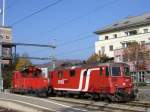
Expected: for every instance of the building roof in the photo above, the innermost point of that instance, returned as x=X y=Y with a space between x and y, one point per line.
x=132 y=21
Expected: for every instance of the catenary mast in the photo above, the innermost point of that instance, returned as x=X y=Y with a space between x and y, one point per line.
x=3 y=24
x=3 y=14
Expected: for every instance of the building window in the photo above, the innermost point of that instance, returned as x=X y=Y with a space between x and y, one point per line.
x=142 y=42
x=106 y=37
x=133 y=32
x=111 y=47
x=6 y=52
x=103 y=49
x=115 y=35
x=118 y=58
x=145 y=30
x=126 y=33
x=124 y=45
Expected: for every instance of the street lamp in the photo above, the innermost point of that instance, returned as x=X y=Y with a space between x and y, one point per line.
x=1 y=79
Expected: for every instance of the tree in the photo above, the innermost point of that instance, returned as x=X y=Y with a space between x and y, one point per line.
x=7 y=75
x=100 y=57
x=138 y=54
x=17 y=64
x=22 y=62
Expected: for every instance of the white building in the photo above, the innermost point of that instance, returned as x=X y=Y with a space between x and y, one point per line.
x=116 y=36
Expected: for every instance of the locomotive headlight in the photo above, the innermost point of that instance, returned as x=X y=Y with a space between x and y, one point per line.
x=123 y=83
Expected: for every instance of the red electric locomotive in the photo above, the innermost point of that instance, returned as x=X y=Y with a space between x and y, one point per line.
x=29 y=80
x=110 y=81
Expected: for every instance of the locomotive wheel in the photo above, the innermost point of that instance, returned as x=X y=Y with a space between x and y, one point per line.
x=41 y=94
x=94 y=97
x=77 y=96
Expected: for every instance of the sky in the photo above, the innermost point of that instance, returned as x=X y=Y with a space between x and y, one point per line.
x=69 y=24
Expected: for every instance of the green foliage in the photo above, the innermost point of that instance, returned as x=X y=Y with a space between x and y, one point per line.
x=7 y=70
x=102 y=58
x=22 y=62
x=7 y=76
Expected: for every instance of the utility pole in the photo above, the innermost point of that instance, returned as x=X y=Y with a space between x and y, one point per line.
x=3 y=14
x=1 y=79
x=53 y=55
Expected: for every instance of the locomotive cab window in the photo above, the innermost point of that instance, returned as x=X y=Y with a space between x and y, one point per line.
x=85 y=73
x=60 y=74
x=126 y=71
x=107 y=71
x=115 y=71
x=72 y=73
x=101 y=71
x=36 y=73
x=25 y=72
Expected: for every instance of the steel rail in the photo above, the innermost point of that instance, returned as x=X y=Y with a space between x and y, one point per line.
x=105 y=106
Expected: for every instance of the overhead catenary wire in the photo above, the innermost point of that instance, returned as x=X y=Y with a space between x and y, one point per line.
x=79 y=17
x=74 y=19
x=75 y=51
x=75 y=40
x=37 y=58
x=82 y=38
x=61 y=54
x=65 y=43
x=36 y=12
x=84 y=15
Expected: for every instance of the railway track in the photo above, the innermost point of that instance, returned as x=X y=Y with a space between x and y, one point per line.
x=139 y=104
x=2 y=109
x=93 y=106
x=135 y=106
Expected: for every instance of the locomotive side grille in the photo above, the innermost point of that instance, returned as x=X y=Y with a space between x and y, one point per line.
x=114 y=80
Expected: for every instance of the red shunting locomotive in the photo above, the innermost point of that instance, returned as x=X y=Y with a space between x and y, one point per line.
x=29 y=80
x=110 y=81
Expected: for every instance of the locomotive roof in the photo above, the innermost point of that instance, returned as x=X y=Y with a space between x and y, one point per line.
x=90 y=65
x=28 y=67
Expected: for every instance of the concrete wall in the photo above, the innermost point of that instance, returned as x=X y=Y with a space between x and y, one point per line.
x=6 y=35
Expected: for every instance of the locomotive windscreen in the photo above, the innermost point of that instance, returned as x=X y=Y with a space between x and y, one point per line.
x=31 y=72
x=115 y=71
